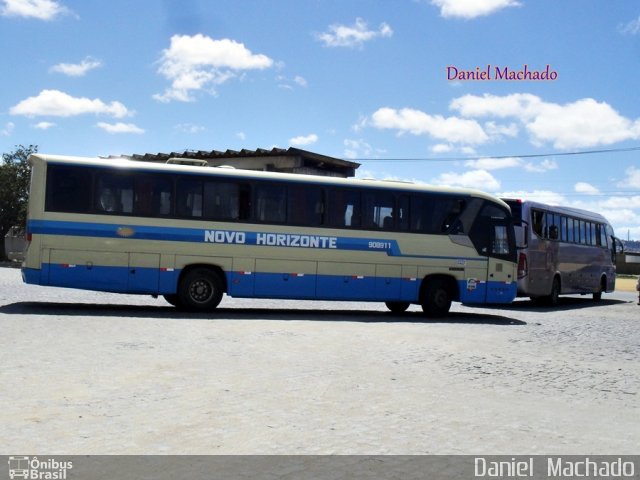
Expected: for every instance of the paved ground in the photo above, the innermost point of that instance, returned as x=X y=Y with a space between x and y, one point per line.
x=93 y=373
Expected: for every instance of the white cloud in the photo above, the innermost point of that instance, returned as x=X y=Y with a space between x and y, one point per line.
x=632 y=179
x=304 y=140
x=59 y=104
x=543 y=166
x=543 y=196
x=76 y=69
x=241 y=135
x=631 y=28
x=494 y=163
x=480 y=179
x=194 y=63
x=357 y=149
x=39 y=9
x=416 y=122
x=496 y=130
x=471 y=8
x=586 y=188
x=442 y=148
x=301 y=81
x=189 y=128
x=120 y=127
x=8 y=129
x=44 y=125
x=583 y=123
x=353 y=36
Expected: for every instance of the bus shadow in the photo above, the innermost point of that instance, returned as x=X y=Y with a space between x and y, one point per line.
x=564 y=303
x=288 y=314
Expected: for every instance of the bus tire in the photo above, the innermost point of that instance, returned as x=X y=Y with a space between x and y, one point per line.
x=200 y=290
x=397 y=307
x=552 y=298
x=436 y=299
x=172 y=299
x=597 y=295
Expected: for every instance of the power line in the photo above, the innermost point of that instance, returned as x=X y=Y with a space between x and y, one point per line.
x=498 y=157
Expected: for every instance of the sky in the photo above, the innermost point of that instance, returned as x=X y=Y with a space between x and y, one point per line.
x=507 y=96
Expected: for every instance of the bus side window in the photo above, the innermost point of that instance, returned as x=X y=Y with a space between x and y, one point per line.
x=537 y=220
x=152 y=195
x=377 y=210
x=403 y=213
x=603 y=236
x=306 y=206
x=189 y=197
x=221 y=200
x=570 y=230
x=68 y=189
x=270 y=203
x=114 y=194
x=344 y=208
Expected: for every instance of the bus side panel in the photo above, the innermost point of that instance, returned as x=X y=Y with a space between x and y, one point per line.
x=409 y=284
x=388 y=282
x=297 y=281
x=241 y=277
x=103 y=271
x=346 y=281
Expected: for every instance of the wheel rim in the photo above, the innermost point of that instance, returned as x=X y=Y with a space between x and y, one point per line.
x=440 y=298
x=201 y=291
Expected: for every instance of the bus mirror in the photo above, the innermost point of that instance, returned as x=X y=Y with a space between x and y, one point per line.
x=553 y=232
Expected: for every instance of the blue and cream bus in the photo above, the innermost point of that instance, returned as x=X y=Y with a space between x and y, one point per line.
x=194 y=233
x=563 y=250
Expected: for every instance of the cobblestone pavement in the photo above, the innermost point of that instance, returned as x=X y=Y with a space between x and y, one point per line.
x=95 y=373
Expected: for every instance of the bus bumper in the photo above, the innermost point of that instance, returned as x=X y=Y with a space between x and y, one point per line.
x=31 y=275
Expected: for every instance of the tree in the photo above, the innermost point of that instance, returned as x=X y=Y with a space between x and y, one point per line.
x=14 y=190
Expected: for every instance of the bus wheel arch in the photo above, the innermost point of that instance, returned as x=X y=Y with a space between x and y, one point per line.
x=200 y=287
x=436 y=294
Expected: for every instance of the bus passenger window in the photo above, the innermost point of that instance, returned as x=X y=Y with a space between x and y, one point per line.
x=603 y=236
x=189 y=198
x=344 y=208
x=403 y=213
x=221 y=201
x=68 y=189
x=377 y=210
x=114 y=194
x=570 y=230
x=537 y=220
x=152 y=196
x=270 y=203
x=306 y=205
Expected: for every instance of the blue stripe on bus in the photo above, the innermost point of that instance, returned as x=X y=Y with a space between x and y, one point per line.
x=153 y=281
x=228 y=237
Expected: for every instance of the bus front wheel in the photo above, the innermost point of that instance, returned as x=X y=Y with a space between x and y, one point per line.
x=200 y=290
x=436 y=300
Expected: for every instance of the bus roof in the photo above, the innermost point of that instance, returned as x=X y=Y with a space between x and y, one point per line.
x=570 y=211
x=124 y=163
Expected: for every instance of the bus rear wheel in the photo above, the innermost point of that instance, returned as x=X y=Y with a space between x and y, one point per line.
x=200 y=290
x=436 y=299
x=397 y=307
x=552 y=299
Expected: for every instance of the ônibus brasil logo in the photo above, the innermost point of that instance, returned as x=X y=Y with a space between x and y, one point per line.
x=34 y=469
